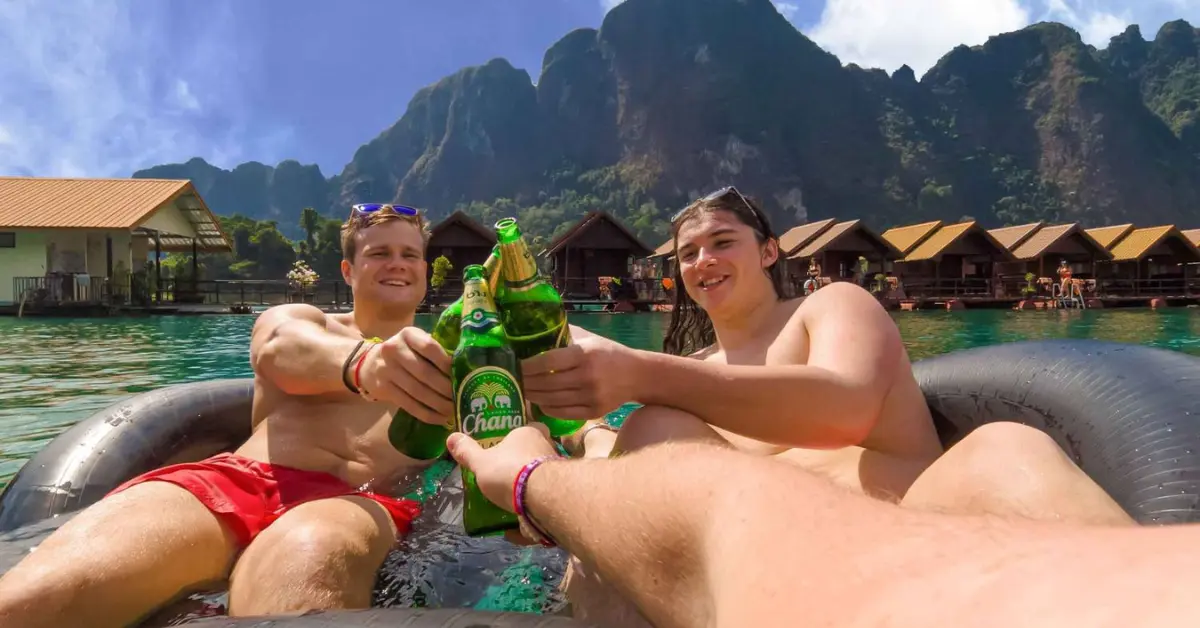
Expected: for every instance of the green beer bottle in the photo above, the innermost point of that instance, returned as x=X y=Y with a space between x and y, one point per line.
x=488 y=402
x=532 y=312
x=410 y=435
x=449 y=324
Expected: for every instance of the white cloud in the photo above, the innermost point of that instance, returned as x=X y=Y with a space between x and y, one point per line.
x=889 y=33
x=608 y=5
x=1095 y=24
x=788 y=10
x=100 y=88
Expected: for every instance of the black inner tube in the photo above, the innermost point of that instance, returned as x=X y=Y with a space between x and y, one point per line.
x=1124 y=413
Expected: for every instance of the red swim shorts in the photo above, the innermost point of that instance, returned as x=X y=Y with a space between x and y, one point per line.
x=249 y=495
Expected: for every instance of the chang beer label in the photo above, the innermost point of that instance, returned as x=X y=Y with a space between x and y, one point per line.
x=478 y=312
x=489 y=405
x=520 y=269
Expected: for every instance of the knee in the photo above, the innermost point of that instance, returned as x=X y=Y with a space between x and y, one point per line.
x=1007 y=445
x=651 y=425
x=1002 y=458
x=26 y=594
x=314 y=549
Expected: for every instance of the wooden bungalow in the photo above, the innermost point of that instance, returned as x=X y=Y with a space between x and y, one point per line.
x=1107 y=236
x=907 y=237
x=838 y=247
x=1012 y=237
x=462 y=240
x=1038 y=249
x=1149 y=261
x=796 y=237
x=596 y=246
x=949 y=261
x=1193 y=235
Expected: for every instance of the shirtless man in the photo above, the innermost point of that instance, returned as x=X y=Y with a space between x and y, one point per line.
x=291 y=519
x=822 y=382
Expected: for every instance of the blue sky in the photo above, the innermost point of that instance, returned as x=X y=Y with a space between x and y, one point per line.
x=104 y=87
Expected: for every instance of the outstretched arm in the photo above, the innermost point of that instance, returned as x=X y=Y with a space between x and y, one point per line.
x=696 y=535
x=854 y=352
x=293 y=348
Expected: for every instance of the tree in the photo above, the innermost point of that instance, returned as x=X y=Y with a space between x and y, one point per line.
x=310 y=221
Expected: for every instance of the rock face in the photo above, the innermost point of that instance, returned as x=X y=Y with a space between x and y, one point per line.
x=667 y=101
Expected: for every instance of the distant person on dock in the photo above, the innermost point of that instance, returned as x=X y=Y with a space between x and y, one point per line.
x=291 y=519
x=1064 y=279
x=814 y=277
x=699 y=534
x=822 y=382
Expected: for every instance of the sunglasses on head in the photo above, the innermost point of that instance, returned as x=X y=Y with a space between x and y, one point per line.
x=731 y=191
x=366 y=209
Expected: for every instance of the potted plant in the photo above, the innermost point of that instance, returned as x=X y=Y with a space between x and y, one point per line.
x=880 y=279
x=441 y=268
x=1028 y=290
x=302 y=278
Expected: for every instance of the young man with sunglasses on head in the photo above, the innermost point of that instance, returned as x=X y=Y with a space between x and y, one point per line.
x=292 y=518
x=822 y=382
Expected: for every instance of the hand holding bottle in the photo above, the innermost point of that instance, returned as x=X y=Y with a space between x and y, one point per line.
x=588 y=379
x=412 y=371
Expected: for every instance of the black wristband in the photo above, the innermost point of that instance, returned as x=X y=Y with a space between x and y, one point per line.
x=346 y=367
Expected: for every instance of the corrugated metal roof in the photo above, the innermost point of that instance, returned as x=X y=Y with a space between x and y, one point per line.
x=462 y=218
x=666 y=248
x=797 y=237
x=942 y=238
x=32 y=203
x=1106 y=236
x=1135 y=245
x=815 y=245
x=1032 y=248
x=588 y=220
x=1193 y=236
x=1011 y=237
x=905 y=238
x=46 y=203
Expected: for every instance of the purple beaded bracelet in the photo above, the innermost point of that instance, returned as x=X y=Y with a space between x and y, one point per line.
x=528 y=526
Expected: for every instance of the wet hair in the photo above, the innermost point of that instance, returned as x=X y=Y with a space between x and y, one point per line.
x=385 y=214
x=690 y=329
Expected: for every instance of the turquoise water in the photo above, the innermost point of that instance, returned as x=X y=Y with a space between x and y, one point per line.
x=54 y=372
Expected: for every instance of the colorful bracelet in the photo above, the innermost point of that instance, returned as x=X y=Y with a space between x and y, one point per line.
x=358 y=372
x=528 y=526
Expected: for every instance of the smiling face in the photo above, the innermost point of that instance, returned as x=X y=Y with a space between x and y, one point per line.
x=722 y=261
x=386 y=265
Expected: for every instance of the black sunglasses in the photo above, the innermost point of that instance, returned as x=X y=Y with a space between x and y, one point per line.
x=726 y=191
x=366 y=209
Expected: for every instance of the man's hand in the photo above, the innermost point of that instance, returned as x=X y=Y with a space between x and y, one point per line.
x=590 y=378
x=410 y=370
x=496 y=468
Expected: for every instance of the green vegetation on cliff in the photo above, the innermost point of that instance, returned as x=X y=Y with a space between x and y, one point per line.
x=664 y=102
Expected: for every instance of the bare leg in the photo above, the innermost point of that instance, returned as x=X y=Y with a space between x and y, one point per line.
x=592 y=599
x=118 y=561
x=1011 y=470
x=596 y=443
x=320 y=555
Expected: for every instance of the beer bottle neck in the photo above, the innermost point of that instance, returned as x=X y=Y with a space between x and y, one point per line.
x=491 y=271
x=519 y=267
x=479 y=315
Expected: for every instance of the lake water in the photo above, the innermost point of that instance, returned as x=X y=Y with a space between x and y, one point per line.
x=54 y=372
